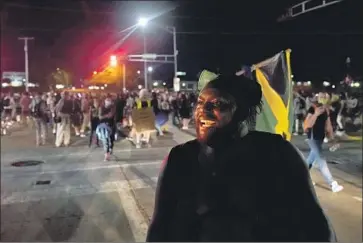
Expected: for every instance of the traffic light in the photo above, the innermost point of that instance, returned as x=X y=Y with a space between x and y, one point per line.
x=113 y=61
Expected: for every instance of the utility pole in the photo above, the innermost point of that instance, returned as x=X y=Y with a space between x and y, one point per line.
x=25 y=39
x=145 y=62
x=175 y=50
x=124 y=76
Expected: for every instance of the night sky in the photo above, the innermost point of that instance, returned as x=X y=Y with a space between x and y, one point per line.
x=221 y=36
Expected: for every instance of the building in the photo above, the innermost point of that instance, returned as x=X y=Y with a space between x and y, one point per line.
x=190 y=86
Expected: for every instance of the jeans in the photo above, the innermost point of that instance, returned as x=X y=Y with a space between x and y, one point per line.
x=107 y=144
x=315 y=155
x=175 y=118
x=158 y=128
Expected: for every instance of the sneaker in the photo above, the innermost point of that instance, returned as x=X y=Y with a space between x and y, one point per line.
x=313 y=183
x=184 y=128
x=83 y=135
x=138 y=146
x=335 y=187
x=295 y=133
x=326 y=140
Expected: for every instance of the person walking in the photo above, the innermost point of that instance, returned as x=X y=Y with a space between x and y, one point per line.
x=63 y=111
x=317 y=125
x=85 y=109
x=39 y=112
x=25 y=102
x=95 y=120
x=107 y=115
x=185 y=111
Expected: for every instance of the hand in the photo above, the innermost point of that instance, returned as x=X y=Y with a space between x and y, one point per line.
x=319 y=110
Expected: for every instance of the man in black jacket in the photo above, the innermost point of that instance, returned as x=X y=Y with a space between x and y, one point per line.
x=229 y=185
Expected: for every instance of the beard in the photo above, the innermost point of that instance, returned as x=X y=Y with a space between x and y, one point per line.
x=219 y=136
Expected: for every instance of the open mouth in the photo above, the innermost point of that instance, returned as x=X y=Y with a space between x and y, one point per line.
x=207 y=123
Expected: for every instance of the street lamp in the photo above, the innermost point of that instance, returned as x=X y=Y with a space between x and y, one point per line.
x=326 y=84
x=138 y=71
x=150 y=69
x=113 y=61
x=142 y=22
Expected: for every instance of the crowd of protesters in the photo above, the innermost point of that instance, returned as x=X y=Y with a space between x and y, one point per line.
x=101 y=116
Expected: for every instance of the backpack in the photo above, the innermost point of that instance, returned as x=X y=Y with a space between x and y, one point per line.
x=6 y=102
x=36 y=112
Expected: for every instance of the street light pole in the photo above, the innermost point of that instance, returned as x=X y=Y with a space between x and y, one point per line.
x=145 y=62
x=175 y=52
x=124 y=76
x=25 y=39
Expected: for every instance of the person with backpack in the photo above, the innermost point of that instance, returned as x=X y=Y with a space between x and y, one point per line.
x=39 y=113
x=63 y=111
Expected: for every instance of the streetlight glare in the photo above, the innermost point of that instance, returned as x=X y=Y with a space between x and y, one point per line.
x=138 y=71
x=150 y=69
x=142 y=21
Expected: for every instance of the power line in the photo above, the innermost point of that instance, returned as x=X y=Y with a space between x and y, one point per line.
x=15 y=5
x=192 y=32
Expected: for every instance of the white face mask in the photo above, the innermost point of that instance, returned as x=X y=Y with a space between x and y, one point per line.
x=108 y=103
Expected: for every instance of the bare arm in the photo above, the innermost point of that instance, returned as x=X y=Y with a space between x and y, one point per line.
x=310 y=120
x=329 y=128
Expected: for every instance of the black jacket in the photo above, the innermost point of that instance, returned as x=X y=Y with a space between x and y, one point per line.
x=257 y=188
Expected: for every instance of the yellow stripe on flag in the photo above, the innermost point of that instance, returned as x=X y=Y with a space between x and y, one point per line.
x=276 y=104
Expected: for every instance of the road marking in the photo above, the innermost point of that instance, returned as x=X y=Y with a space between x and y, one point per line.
x=74 y=191
x=358 y=198
x=5 y=158
x=137 y=222
x=72 y=168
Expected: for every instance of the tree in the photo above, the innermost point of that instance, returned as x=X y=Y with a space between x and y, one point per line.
x=60 y=76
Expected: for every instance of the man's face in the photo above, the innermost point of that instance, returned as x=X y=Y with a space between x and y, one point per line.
x=213 y=111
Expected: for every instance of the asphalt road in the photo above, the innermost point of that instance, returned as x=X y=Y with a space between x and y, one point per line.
x=75 y=196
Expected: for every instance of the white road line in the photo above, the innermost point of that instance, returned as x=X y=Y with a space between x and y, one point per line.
x=137 y=222
x=358 y=199
x=71 y=168
x=65 y=153
x=73 y=191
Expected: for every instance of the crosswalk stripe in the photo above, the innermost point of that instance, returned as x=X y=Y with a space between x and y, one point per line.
x=358 y=198
x=138 y=223
x=12 y=172
x=12 y=158
x=73 y=191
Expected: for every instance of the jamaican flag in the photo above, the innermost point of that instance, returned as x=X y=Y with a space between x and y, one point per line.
x=274 y=76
